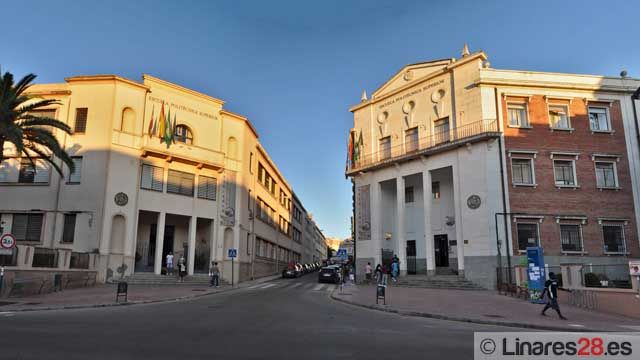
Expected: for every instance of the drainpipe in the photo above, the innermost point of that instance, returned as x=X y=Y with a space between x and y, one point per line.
x=634 y=97
x=504 y=195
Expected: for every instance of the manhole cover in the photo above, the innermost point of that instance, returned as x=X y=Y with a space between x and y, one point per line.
x=493 y=316
x=3 y=303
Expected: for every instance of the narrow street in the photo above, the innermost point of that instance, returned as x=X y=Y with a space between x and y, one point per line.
x=284 y=319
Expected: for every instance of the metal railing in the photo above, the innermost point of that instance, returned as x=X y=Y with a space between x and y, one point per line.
x=434 y=142
x=606 y=276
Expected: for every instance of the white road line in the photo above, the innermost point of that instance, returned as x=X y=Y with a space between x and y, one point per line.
x=318 y=287
x=267 y=286
x=294 y=285
x=254 y=286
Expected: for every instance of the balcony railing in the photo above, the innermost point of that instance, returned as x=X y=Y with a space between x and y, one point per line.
x=436 y=142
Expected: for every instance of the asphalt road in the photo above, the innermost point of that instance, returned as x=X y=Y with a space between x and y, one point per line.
x=282 y=319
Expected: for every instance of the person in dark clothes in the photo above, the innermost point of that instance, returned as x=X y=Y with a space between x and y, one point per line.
x=551 y=290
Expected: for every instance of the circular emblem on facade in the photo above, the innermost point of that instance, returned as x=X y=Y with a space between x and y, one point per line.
x=382 y=117
x=437 y=95
x=408 y=75
x=121 y=199
x=473 y=202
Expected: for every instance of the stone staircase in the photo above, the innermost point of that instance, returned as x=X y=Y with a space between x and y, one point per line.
x=145 y=278
x=436 y=282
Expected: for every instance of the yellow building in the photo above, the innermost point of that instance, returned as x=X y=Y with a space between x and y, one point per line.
x=159 y=168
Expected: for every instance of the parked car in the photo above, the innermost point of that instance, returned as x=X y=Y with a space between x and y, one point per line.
x=329 y=274
x=292 y=271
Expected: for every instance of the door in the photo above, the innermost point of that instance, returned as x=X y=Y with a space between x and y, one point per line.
x=441 y=244
x=411 y=257
x=167 y=244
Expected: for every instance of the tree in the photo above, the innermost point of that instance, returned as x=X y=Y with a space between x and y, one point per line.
x=21 y=126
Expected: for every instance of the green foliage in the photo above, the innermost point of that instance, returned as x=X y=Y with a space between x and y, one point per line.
x=591 y=280
x=32 y=135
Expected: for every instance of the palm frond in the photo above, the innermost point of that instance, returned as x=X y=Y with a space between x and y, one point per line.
x=37 y=105
x=47 y=158
x=45 y=138
x=28 y=121
x=24 y=83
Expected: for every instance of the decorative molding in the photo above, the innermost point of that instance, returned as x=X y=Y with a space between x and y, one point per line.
x=525 y=152
x=539 y=218
x=507 y=95
x=611 y=219
x=582 y=219
x=610 y=156
x=609 y=102
x=550 y=98
x=575 y=155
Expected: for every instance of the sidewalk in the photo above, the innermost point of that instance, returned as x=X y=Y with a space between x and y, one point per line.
x=104 y=295
x=485 y=307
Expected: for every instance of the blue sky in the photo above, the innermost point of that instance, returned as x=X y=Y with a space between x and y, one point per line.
x=295 y=67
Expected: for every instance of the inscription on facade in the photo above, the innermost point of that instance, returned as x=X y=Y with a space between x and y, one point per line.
x=182 y=107
x=410 y=94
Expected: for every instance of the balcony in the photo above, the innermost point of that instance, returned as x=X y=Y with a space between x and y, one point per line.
x=439 y=141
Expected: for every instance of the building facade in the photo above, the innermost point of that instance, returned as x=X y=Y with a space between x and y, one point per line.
x=457 y=165
x=159 y=168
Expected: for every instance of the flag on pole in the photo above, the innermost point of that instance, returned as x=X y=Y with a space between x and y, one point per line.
x=173 y=132
x=161 y=123
x=167 y=131
x=150 y=130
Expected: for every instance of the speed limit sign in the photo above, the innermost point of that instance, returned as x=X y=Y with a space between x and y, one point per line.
x=7 y=243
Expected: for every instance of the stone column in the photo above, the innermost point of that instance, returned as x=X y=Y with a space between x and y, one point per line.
x=212 y=242
x=401 y=235
x=458 y=203
x=428 y=235
x=191 y=255
x=376 y=229
x=157 y=266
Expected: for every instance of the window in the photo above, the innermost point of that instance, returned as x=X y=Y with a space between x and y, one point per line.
x=411 y=141
x=559 y=117
x=30 y=174
x=81 y=121
x=606 y=175
x=297 y=214
x=180 y=182
x=152 y=177
x=75 y=176
x=522 y=171
x=441 y=130
x=297 y=235
x=285 y=226
x=435 y=189
x=517 y=115
x=266 y=180
x=27 y=227
x=264 y=212
x=69 y=228
x=571 y=237
x=45 y=258
x=527 y=235
x=613 y=238
x=599 y=119
x=207 y=187
x=564 y=172
x=79 y=261
x=408 y=194
x=251 y=162
x=183 y=134
x=385 y=148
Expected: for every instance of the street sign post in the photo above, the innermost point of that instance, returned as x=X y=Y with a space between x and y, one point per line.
x=7 y=244
x=342 y=254
x=232 y=253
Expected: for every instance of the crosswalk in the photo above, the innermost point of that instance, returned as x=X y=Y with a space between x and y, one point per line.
x=285 y=285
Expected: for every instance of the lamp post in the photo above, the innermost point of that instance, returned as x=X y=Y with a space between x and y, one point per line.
x=505 y=214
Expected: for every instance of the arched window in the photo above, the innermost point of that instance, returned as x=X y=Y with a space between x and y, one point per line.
x=128 y=122
x=183 y=134
x=232 y=148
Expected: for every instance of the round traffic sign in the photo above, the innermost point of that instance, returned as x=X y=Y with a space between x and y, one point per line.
x=7 y=241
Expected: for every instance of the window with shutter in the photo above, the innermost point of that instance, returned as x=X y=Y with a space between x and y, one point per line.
x=81 y=120
x=179 y=182
x=69 y=229
x=9 y=169
x=27 y=227
x=33 y=175
x=206 y=187
x=75 y=176
x=152 y=177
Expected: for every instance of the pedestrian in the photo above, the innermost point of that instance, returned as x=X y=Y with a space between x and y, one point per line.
x=214 y=272
x=385 y=274
x=182 y=268
x=395 y=270
x=378 y=273
x=169 y=260
x=367 y=272
x=551 y=290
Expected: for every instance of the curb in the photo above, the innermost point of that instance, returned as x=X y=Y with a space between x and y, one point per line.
x=462 y=319
x=140 y=302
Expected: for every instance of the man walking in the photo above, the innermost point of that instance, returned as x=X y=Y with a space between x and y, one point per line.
x=367 y=272
x=551 y=289
x=169 y=260
x=395 y=270
x=215 y=274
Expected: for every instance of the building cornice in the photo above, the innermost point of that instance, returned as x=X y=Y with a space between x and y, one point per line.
x=217 y=101
x=243 y=118
x=105 y=77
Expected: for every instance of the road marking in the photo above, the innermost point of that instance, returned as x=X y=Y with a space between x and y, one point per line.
x=318 y=287
x=6 y=313
x=254 y=286
x=294 y=285
x=268 y=286
x=576 y=325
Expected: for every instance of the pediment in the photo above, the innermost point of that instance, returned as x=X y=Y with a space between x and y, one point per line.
x=410 y=73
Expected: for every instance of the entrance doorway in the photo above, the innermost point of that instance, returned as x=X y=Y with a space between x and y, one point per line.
x=167 y=244
x=441 y=244
x=411 y=257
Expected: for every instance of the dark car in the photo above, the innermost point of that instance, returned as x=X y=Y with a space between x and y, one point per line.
x=329 y=274
x=292 y=271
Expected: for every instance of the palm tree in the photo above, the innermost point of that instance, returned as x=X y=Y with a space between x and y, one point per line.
x=29 y=133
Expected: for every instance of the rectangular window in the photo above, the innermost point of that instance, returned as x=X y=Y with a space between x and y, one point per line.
x=571 y=237
x=599 y=119
x=411 y=141
x=79 y=260
x=559 y=117
x=30 y=174
x=206 y=187
x=408 y=194
x=527 y=235
x=152 y=177
x=441 y=130
x=522 y=171
x=251 y=162
x=385 y=148
x=81 y=121
x=606 y=175
x=435 y=189
x=27 y=227
x=564 y=172
x=75 y=176
x=517 y=115
x=613 y=238
x=260 y=173
x=180 y=182
x=45 y=258
x=69 y=228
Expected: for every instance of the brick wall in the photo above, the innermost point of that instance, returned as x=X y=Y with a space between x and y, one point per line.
x=586 y=200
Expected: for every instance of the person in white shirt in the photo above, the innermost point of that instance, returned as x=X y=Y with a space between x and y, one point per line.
x=169 y=263
x=367 y=272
